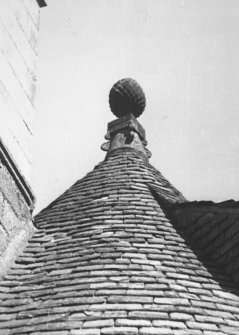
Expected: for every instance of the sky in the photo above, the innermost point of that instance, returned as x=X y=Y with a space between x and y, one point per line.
x=185 y=56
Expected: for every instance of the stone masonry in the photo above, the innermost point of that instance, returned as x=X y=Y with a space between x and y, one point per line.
x=19 y=32
x=19 y=27
x=15 y=219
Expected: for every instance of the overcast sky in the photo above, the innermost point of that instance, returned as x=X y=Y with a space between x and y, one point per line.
x=184 y=54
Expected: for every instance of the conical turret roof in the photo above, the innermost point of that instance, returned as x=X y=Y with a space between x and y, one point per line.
x=108 y=258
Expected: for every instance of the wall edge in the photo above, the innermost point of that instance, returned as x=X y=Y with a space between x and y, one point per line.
x=14 y=171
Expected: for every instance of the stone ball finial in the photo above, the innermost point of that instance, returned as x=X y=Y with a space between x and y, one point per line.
x=127 y=97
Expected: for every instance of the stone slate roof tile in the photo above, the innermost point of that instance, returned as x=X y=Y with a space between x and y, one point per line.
x=108 y=259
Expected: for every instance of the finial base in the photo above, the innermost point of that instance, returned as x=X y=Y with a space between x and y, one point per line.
x=126 y=132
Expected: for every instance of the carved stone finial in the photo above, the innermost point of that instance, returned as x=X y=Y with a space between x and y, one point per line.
x=127 y=97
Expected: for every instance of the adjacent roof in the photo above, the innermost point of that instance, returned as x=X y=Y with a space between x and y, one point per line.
x=215 y=226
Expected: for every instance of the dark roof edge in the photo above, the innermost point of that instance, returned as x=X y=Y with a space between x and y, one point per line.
x=227 y=206
x=14 y=171
x=41 y=3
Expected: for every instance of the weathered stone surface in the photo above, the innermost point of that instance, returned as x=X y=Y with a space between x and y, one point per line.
x=133 y=323
x=181 y=316
x=85 y=332
x=19 y=30
x=16 y=225
x=155 y=331
x=99 y=323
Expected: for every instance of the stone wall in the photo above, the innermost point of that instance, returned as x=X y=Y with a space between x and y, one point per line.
x=19 y=28
x=15 y=219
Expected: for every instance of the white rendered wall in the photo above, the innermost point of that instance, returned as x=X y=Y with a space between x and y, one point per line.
x=19 y=27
